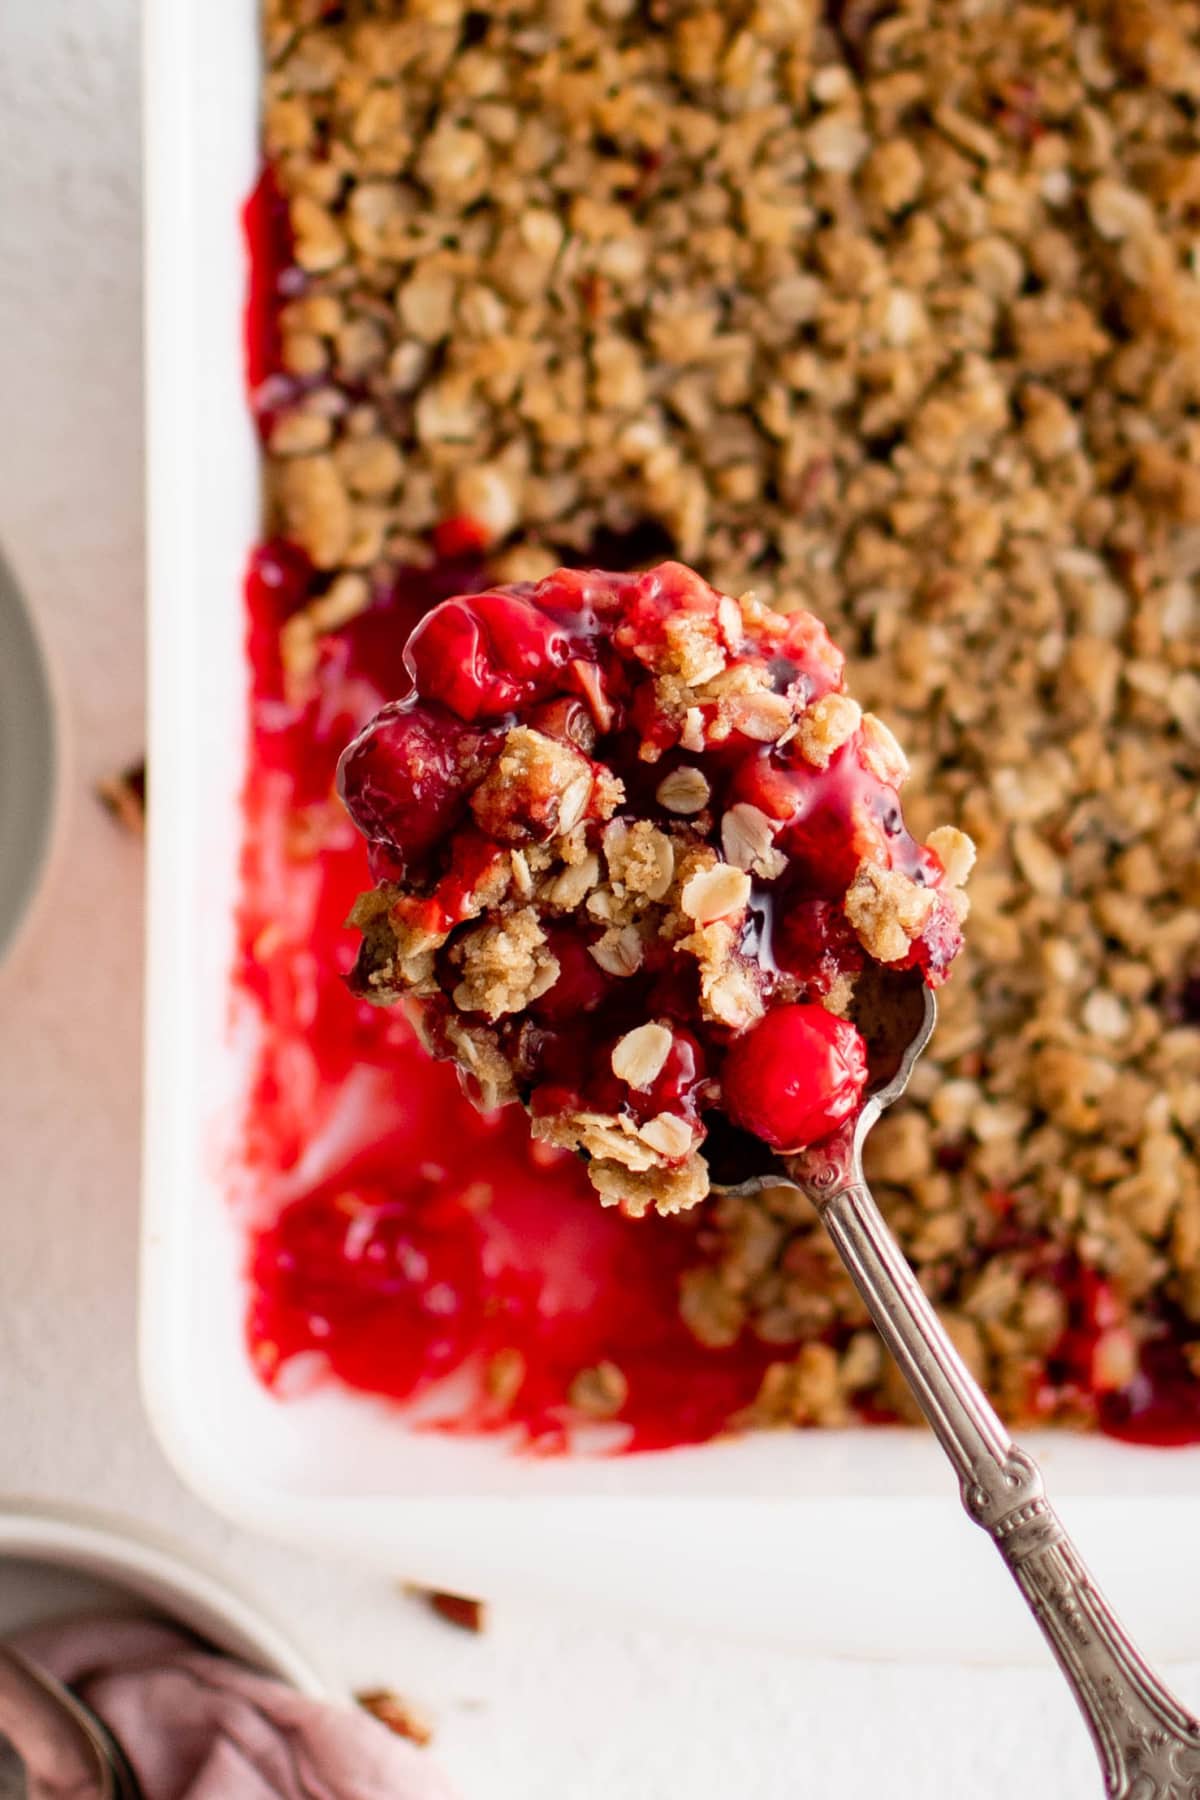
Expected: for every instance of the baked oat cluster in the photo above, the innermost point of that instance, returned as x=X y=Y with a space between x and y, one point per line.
x=886 y=311
x=637 y=843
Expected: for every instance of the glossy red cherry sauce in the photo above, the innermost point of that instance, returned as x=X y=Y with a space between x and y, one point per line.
x=272 y=273
x=1161 y=1403
x=402 y=1237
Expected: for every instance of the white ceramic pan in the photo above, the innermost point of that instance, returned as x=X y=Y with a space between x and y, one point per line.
x=848 y=1542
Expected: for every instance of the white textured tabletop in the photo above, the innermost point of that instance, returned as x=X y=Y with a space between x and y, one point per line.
x=541 y=1707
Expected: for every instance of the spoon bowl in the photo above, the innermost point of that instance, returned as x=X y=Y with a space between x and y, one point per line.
x=53 y=1723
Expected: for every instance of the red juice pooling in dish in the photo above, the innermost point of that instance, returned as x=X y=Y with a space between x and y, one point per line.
x=400 y=1236
x=268 y=232
x=404 y=1236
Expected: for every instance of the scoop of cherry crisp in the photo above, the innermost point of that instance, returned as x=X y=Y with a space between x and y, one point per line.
x=636 y=848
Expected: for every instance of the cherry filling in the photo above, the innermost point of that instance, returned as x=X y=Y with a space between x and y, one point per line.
x=410 y=776
x=698 y=846
x=813 y=941
x=487 y=656
x=403 y=1236
x=581 y=985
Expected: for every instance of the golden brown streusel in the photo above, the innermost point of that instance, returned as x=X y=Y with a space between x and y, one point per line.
x=504 y=966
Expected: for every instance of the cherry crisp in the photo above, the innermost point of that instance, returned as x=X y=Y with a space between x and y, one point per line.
x=885 y=311
x=634 y=844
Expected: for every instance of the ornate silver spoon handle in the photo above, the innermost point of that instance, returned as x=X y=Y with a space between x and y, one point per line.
x=1149 y=1746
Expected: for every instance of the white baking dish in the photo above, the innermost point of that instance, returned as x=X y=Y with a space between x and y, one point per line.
x=847 y=1542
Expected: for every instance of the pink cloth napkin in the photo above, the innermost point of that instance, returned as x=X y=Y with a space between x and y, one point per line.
x=198 y=1726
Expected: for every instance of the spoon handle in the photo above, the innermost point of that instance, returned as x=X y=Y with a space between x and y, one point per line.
x=1149 y=1746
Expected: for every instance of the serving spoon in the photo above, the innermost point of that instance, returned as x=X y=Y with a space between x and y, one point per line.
x=1148 y=1744
x=72 y=1750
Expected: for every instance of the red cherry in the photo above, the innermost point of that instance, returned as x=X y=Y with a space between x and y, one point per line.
x=814 y=807
x=487 y=655
x=474 y=860
x=807 y=643
x=797 y=1075
x=404 y=779
x=459 y=535
x=658 y=595
x=775 y=787
x=581 y=984
x=590 y=594
x=280 y=577
x=831 y=818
